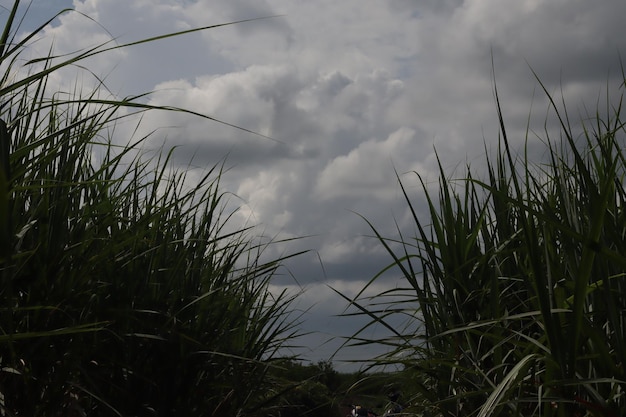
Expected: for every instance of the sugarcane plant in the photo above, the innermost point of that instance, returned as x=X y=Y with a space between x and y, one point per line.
x=516 y=278
x=126 y=287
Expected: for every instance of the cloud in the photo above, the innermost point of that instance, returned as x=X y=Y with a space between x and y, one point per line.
x=353 y=92
x=365 y=171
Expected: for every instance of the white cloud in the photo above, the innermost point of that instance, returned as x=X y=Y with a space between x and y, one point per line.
x=367 y=170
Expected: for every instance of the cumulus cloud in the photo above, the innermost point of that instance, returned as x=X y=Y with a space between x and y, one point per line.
x=365 y=171
x=350 y=93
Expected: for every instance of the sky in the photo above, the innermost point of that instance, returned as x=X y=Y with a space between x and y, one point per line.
x=351 y=93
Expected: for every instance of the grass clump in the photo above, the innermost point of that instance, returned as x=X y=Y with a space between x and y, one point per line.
x=124 y=291
x=516 y=283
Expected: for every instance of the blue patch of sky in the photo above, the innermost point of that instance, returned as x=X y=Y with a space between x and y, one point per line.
x=33 y=14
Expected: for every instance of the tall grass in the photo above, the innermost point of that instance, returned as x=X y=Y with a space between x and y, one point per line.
x=124 y=291
x=518 y=280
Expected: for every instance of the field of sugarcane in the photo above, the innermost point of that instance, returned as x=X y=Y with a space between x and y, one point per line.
x=126 y=293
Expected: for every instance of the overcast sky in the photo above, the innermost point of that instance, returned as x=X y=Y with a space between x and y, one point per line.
x=352 y=91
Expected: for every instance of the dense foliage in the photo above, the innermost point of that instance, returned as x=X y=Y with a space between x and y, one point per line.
x=518 y=281
x=319 y=390
x=124 y=291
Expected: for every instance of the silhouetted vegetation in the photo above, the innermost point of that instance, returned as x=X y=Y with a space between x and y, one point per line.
x=125 y=290
x=517 y=281
x=319 y=390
